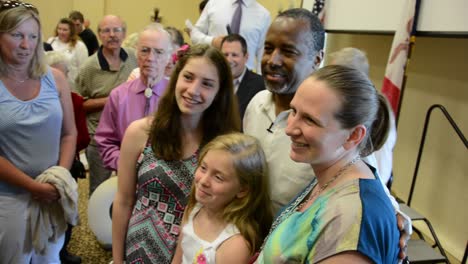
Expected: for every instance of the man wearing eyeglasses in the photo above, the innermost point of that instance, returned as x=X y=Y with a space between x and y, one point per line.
x=100 y=73
x=136 y=98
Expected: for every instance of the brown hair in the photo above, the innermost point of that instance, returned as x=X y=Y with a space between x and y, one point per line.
x=73 y=39
x=251 y=214
x=176 y=36
x=221 y=117
x=361 y=103
x=76 y=15
x=235 y=38
x=10 y=19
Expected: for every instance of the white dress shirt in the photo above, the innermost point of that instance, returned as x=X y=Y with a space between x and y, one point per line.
x=238 y=80
x=254 y=25
x=384 y=156
x=287 y=177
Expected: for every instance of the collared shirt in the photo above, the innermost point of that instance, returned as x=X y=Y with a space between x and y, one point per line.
x=238 y=80
x=103 y=62
x=94 y=81
x=126 y=104
x=254 y=25
x=287 y=177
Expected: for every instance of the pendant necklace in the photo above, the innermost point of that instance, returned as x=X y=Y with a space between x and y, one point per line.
x=299 y=203
x=148 y=94
x=18 y=81
x=337 y=175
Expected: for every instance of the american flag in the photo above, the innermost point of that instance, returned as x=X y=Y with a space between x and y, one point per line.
x=399 y=54
x=319 y=9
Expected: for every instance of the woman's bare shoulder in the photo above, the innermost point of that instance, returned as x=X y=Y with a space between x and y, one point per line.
x=139 y=130
x=140 y=126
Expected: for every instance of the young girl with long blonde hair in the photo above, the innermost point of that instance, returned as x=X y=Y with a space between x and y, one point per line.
x=228 y=213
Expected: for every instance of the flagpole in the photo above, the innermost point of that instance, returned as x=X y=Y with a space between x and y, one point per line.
x=410 y=52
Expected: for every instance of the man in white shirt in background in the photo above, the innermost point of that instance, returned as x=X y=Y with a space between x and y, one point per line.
x=217 y=17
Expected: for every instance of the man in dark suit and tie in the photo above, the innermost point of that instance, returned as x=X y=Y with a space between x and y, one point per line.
x=246 y=82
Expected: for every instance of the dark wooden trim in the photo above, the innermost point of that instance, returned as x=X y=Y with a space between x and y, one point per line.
x=438 y=34
x=361 y=32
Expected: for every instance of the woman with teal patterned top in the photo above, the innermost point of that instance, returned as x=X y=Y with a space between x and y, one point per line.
x=344 y=215
x=198 y=105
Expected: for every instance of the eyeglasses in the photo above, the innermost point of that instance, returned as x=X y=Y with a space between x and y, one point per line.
x=146 y=51
x=9 y=4
x=109 y=30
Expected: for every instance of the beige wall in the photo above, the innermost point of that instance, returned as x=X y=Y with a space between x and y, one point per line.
x=50 y=12
x=136 y=13
x=275 y=6
x=91 y=9
x=438 y=74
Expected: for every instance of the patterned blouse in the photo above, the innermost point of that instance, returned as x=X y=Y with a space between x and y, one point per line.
x=354 y=216
x=162 y=193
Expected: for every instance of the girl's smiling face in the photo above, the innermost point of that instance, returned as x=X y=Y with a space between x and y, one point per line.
x=197 y=86
x=216 y=181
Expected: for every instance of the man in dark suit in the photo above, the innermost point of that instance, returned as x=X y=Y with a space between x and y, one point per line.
x=246 y=82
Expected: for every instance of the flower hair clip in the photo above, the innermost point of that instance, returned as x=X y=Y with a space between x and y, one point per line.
x=180 y=53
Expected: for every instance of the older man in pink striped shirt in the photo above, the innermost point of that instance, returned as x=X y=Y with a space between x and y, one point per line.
x=137 y=98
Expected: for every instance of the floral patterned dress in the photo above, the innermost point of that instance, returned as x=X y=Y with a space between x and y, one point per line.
x=162 y=193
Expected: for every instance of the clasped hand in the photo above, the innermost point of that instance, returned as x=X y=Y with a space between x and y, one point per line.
x=45 y=192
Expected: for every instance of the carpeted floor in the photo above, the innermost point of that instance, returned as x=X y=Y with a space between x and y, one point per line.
x=83 y=242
